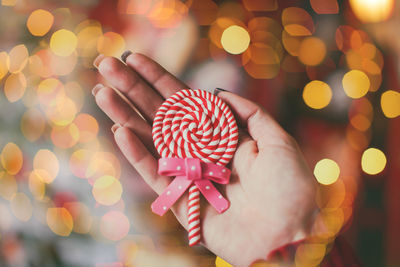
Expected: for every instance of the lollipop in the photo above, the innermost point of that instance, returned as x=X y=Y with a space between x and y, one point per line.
x=196 y=135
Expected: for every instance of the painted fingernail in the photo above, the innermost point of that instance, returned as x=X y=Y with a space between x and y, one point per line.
x=218 y=90
x=98 y=59
x=115 y=127
x=97 y=88
x=125 y=55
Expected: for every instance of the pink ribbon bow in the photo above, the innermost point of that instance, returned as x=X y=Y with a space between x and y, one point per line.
x=188 y=171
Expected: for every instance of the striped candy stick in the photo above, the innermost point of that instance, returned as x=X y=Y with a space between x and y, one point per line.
x=194 y=233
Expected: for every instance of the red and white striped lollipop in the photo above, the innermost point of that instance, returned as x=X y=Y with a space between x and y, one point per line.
x=195 y=124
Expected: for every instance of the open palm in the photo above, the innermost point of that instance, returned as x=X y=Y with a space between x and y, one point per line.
x=271 y=191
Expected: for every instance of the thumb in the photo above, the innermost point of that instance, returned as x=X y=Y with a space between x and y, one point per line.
x=251 y=116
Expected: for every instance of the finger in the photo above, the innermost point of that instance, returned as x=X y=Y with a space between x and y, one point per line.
x=260 y=125
x=120 y=112
x=140 y=158
x=245 y=154
x=130 y=84
x=146 y=165
x=161 y=80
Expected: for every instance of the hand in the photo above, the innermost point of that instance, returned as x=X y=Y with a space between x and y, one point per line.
x=272 y=191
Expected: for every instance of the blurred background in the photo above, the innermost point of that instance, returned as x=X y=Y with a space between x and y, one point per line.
x=327 y=70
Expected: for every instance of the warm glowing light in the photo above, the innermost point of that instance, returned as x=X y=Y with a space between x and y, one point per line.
x=297 y=22
x=390 y=103
x=291 y=43
x=59 y=221
x=61 y=111
x=114 y=225
x=40 y=63
x=167 y=13
x=134 y=7
x=309 y=254
x=355 y=84
x=8 y=186
x=39 y=22
x=32 y=124
x=46 y=165
x=331 y=196
x=217 y=28
x=18 y=58
x=373 y=161
x=103 y=164
x=81 y=217
x=88 y=127
x=262 y=71
x=372 y=10
x=360 y=122
x=317 y=94
x=235 y=39
x=326 y=171
x=4 y=64
x=79 y=162
x=11 y=158
x=21 y=207
x=14 y=87
x=221 y=263
x=111 y=44
x=65 y=136
x=63 y=42
x=325 y=6
x=107 y=190
x=8 y=2
x=88 y=36
x=312 y=51
x=36 y=185
x=48 y=90
x=63 y=66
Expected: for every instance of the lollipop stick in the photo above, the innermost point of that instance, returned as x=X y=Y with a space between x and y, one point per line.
x=194 y=216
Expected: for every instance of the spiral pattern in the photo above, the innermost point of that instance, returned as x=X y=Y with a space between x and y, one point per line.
x=195 y=124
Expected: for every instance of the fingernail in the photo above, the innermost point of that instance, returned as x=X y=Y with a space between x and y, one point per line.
x=98 y=59
x=97 y=88
x=125 y=55
x=218 y=90
x=115 y=127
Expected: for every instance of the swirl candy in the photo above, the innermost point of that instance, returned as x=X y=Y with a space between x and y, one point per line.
x=196 y=135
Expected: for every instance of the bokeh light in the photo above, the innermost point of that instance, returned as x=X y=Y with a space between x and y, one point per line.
x=372 y=10
x=32 y=124
x=63 y=42
x=373 y=161
x=107 y=190
x=39 y=22
x=46 y=165
x=297 y=22
x=219 y=262
x=312 y=51
x=15 y=86
x=11 y=158
x=390 y=103
x=235 y=39
x=8 y=186
x=87 y=126
x=317 y=94
x=326 y=171
x=4 y=64
x=111 y=44
x=18 y=58
x=325 y=6
x=114 y=225
x=355 y=84
x=60 y=221
x=21 y=207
